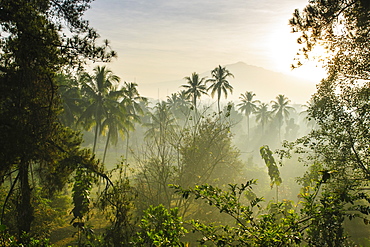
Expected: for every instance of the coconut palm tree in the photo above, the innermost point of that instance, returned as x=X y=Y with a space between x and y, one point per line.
x=114 y=122
x=311 y=124
x=194 y=88
x=179 y=104
x=281 y=109
x=220 y=84
x=133 y=98
x=132 y=106
x=71 y=99
x=96 y=89
x=122 y=112
x=248 y=105
x=263 y=115
x=162 y=122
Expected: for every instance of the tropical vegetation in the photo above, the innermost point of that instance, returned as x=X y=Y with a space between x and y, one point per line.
x=84 y=153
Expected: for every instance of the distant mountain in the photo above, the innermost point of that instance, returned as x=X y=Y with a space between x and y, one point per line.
x=266 y=84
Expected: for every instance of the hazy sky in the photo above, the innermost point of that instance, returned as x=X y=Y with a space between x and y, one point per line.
x=164 y=40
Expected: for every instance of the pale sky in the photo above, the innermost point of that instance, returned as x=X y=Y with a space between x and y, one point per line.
x=165 y=40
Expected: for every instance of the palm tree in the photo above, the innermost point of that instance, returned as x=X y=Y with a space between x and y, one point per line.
x=248 y=105
x=281 y=108
x=133 y=98
x=195 y=87
x=96 y=89
x=162 y=122
x=220 y=83
x=71 y=99
x=179 y=104
x=311 y=123
x=122 y=111
x=263 y=115
x=132 y=104
x=114 y=121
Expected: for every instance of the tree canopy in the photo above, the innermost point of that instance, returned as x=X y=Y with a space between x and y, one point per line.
x=342 y=28
x=338 y=149
x=220 y=84
x=40 y=38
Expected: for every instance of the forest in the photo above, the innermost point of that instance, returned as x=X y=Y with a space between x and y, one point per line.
x=86 y=160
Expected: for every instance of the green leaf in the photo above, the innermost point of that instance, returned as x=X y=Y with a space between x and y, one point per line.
x=2 y=228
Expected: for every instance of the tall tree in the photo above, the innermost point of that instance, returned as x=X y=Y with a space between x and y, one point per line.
x=263 y=115
x=311 y=124
x=162 y=121
x=35 y=48
x=340 y=108
x=132 y=104
x=179 y=104
x=281 y=108
x=338 y=155
x=132 y=99
x=70 y=94
x=248 y=105
x=114 y=121
x=195 y=87
x=341 y=28
x=158 y=158
x=97 y=89
x=220 y=84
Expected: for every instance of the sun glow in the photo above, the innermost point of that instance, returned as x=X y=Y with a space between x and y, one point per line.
x=283 y=49
x=310 y=71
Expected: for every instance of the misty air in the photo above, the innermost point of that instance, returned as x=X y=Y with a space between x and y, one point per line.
x=184 y=123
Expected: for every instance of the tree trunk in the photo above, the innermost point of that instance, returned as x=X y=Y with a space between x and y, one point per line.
x=24 y=207
x=195 y=110
x=280 y=124
x=218 y=105
x=248 y=127
x=106 y=147
x=95 y=138
x=126 y=155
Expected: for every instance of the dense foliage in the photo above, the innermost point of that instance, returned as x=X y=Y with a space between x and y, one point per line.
x=33 y=49
x=341 y=27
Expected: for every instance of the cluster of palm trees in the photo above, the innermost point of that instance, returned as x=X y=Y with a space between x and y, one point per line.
x=197 y=86
x=280 y=110
x=98 y=101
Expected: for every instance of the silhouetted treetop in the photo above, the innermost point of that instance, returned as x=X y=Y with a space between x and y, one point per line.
x=342 y=28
